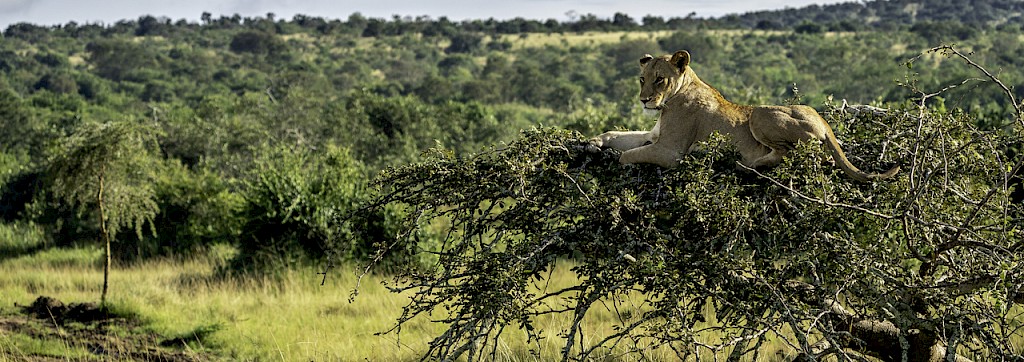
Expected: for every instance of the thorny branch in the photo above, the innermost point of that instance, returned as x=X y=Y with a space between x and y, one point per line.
x=893 y=298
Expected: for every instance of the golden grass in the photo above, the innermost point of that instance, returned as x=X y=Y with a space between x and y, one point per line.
x=588 y=38
x=285 y=316
x=535 y=40
x=288 y=316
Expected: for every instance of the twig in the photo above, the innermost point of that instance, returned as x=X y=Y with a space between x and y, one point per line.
x=1006 y=90
x=817 y=200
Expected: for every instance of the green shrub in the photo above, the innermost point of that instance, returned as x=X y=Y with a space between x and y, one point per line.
x=258 y=42
x=20 y=238
x=197 y=210
x=17 y=185
x=297 y=208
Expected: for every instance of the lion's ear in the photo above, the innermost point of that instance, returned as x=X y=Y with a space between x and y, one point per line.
x=646 y=58
x=681 y=59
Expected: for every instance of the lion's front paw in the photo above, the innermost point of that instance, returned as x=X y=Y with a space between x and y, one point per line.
x=594 y=145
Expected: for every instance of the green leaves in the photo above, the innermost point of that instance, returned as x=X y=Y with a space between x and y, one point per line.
x=107 y=168
x=297 y=207
x=119 y=154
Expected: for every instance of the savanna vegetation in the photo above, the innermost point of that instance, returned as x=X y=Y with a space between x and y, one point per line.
x=264 y=188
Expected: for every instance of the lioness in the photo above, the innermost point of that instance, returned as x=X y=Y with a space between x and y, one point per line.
x=691 y=110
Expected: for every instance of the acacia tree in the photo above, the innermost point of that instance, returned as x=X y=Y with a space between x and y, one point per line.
x=106 y=168
x=926 y=267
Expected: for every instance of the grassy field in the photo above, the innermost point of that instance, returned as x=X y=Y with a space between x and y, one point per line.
x=183 y=311
x=286 y=317
x=587 y=38
x=532 y=40
x=183 y=308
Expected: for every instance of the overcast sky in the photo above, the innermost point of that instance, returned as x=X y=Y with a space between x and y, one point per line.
x=51 y=12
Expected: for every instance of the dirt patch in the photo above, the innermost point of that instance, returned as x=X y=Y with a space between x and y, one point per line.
x=49 y=308
x=86 y=331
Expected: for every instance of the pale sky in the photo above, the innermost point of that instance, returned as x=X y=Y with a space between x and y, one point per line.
x=52 y=12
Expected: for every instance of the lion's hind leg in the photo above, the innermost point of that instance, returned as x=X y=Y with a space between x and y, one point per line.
x=771 y=159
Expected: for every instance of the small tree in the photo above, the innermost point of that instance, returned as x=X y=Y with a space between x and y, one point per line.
x=107 y=168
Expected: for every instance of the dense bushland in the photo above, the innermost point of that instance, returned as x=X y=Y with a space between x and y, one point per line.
x=220 y=94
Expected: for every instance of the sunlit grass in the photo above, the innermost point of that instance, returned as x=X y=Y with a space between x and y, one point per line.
x=536 y=40
x=289 y=315
x=532 y=40
x=17 y=347
x=284 y=316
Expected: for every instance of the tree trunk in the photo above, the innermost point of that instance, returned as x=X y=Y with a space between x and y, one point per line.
x=106 y=240
x=876 y=338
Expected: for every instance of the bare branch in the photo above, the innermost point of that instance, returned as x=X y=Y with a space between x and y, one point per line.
x=948 y=49
x=816 y=200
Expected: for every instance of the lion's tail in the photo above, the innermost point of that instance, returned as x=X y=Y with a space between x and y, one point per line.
x=849 y=168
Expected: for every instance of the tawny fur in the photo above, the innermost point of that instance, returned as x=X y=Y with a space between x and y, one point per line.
x=691 y=110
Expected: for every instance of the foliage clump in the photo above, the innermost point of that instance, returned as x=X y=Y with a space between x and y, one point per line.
x=295 y=206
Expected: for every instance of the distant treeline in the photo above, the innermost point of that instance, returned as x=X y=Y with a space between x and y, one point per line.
x=250 y=114
x=850 y=16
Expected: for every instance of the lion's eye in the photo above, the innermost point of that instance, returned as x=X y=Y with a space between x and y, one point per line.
x=659 y=80
x=641 y=80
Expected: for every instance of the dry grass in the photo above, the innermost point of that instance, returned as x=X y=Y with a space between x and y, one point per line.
x=288 y=316
x=572 y=39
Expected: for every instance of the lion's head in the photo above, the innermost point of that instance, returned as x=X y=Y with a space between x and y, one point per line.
x=661 y=77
